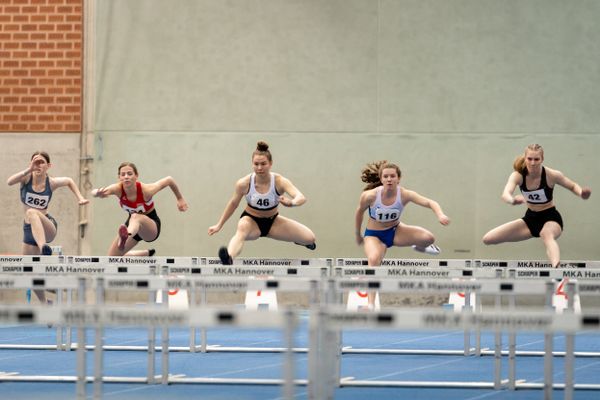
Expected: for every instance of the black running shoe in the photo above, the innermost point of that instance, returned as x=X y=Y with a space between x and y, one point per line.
x=224 y=256
x=151 y=252
x=311 y=246
x=46 y=250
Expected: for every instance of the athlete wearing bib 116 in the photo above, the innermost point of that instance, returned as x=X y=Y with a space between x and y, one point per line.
x=263 y=191
x=541 y=219
x=135 y=198
x=37 y=187
x=385 y=201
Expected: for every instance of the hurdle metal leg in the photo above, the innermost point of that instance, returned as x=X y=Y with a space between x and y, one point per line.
x=467 y=333
x=478 y=330
x=498 y=351
x=68 y=329
x=289 y=367
x=192 y=294
x=570 y=346
x=99 y=346
x=151 y=344
x=203 y=337
x=59 y=328
x=512 y=347
x=548 y=347
x=165 y=345
x=81 y=363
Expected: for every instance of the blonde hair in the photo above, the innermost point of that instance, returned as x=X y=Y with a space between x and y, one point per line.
x=371 y=173
x=262 y=149
x=519 y=163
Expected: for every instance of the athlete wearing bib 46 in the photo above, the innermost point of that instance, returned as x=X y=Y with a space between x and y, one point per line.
x=135 y=198
x=541 y=219
x=263 y=191
x=37 y=187
x=385 y=201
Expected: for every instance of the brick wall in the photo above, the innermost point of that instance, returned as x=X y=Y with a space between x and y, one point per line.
x=41 y=55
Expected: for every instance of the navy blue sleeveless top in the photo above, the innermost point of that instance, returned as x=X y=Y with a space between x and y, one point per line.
x=39 y=200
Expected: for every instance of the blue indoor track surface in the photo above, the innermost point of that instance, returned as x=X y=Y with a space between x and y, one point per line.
x=233 y=364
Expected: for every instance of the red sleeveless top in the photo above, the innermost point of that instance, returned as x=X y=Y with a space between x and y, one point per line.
x=137 y=206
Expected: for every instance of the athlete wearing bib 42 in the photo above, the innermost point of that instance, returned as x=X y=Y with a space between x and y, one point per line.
x=135 y=198
x=37 y=187
x=264 y=191
x=385 y=201
x=541 y=219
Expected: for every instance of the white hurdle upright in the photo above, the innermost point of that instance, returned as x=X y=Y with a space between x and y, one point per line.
x=259 y=268
x=359 y=267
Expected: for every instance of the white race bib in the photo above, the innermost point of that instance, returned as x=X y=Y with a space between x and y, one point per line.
x=387 y=214
x=37 y=201
x=258 y=201
x=138 y=209
x=536 y=196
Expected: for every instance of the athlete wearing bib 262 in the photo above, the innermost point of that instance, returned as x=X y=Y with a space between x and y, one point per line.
x=385 y=201
x=135 y=198
x=541 y=219
x=37 y=187
x=264 y=191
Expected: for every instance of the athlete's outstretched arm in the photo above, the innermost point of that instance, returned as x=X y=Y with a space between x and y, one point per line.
x=562 y=180
x=151 y=189
x=20 y=177
x=423 y=201
x=241 y=188
x=103 y=192
x=296 y=198
x=70 y=183
x=366 y=198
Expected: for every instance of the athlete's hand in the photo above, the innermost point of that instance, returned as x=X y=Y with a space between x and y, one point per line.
x=286 y=201
x=35 y=162
x=518 y=199
x=213 y=229
x=182 y=205
x=83 y=202
x=586 y=192
x=359 y=239
x=100 y=192
x=444 y=220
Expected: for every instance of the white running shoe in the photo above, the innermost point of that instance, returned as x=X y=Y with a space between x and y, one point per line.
x=431 y=249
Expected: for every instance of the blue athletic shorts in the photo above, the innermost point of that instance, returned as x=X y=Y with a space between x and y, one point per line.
x=386 y=235
x=28 y=235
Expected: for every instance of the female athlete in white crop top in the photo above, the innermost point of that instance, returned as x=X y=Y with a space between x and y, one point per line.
x=385 y=199
x=263 y=191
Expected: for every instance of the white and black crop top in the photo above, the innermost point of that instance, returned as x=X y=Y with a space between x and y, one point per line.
x=541 y=195
x=262 y=201
x=382 y=213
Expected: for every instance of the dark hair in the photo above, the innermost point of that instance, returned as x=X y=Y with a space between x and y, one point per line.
x=262 y=149
x=43 y=154
x=371 y=174
x=519 y=163
x=127 y=164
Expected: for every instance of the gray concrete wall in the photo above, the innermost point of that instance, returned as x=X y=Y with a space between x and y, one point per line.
x=450 y=90
x=16 y=152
